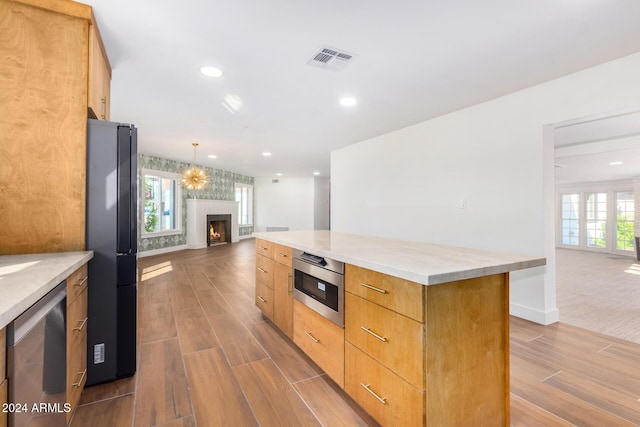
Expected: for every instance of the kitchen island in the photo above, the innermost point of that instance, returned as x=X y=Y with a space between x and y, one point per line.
x=426 y=336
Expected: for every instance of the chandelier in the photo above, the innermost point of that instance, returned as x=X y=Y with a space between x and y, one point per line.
x=194 y=178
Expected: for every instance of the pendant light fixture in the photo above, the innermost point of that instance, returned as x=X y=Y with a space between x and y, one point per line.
x=194 y=178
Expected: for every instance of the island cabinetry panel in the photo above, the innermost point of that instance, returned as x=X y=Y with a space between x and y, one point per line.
x=394 y=293
x=264 y=248
x=264 y=299
x=392 y=339
x=283 y=290
x=264 y=270
x=321 y=339
x=387 y=397
x=77 y=319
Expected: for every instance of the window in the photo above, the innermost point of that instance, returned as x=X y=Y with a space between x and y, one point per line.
x=624 y=221
x=596 y=216
x=244 y=195
x=162 y=213
x=570 y=219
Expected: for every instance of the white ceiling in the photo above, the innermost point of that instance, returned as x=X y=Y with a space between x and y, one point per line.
x=414 y=60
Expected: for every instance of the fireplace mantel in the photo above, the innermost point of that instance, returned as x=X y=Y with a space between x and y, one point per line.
x=197 y=211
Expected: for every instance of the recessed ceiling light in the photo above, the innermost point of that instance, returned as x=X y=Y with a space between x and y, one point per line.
x=266 y=154
x=211 y=71
x=348 y=101
x=212 y=156
x=278 y=174
x=316 y=173
x=615 y=163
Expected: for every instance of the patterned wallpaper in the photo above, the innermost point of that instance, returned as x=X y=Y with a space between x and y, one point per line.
x=220 y=187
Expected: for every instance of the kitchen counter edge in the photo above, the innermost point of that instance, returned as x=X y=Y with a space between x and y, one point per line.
x=424 y=263
x=24 y=279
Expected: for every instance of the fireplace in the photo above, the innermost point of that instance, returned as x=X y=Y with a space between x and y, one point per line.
x=218 y=229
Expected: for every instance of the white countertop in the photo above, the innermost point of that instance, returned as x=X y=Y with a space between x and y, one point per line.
x=24 y=279
x=425 y=263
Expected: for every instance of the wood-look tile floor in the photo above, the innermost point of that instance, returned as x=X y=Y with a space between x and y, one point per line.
x=207 y=357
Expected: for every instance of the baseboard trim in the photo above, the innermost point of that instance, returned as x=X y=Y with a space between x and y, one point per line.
x=537 y=316
x=162 y=251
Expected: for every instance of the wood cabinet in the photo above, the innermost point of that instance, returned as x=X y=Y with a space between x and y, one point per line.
x=43 y=114
x=274 y=284
x=321 y=339
x=99 y=96
x=77 y=319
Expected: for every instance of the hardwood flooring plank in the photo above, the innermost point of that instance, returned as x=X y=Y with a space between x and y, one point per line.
x=194 y=331
x=218 y=399
x=525 y=414
x=157 y=321
x=183 y=297
x=111 y=412
x=274 y=401
x=161 y=393
x=244 y=308
x=182 y=422
x=108 y=390
x=331 y=405
x=236 y=340
x=198 y=279
x=293 y=363
x=213 y=303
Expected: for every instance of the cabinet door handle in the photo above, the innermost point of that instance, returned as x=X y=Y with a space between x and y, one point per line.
x=282 y=255
x=262 y=269
x=373 y=288
x=262 y=299
x=369 y=331
x=82 y=282
x=314 y=339
x=382 y=400
x=82 y=374
x=81 y=324
x=104 y=107
x=262 y=247
x=289 y=283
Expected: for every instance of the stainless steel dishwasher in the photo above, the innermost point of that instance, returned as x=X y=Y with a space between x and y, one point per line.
x=36 y=362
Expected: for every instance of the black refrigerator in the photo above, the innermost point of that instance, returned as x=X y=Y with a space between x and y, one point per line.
x=111 y=232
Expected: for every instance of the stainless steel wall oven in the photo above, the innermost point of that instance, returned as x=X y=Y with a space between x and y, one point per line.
x=319 y=284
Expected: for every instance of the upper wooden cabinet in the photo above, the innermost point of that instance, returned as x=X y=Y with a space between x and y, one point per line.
x=99 y=77
x=45 y=46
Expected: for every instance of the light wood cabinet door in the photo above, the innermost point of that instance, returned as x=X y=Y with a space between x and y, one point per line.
x=392 y=339
x=4 y=397
x=384 y=395
x=283 y=298
x=77 y=282
x=391 y=292
x=282 y=254
x=3 y=354
x=99 y=77
x=264 y=299
x=76 y=349
x=264 y=270
x=264 y=248
x=321 y=340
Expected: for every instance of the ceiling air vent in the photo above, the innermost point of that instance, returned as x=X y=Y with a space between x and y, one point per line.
x=330 y=58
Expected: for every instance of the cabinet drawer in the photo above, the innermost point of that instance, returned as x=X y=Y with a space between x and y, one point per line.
x=264 y=248
x=282 y=254
x=264 y=299
x=76 y=349
x=394 y=340
x=320 y=339
x=391 y=292
x=264 y=270
x=76 y=283
x=385 y=396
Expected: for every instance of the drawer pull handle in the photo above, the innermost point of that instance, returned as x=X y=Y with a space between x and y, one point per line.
x=81 y=324
x=282 y=255
x=82 y=282
x=382 y=400
x=262 y=247
x=314 y=339
x=262 y=299
x=262 y=269
x=289 y=288
x=82 y=374
x=369 y=331
x=373 y=288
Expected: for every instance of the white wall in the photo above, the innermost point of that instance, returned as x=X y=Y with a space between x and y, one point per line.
x=321 y=203
x=497 y=156
x=289 y=203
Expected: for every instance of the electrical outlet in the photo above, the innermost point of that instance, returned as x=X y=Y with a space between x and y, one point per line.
x=98 y=353
x=463 y=203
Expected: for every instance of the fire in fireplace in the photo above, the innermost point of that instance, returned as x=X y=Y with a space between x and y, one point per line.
x=218 y=229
